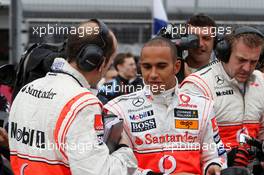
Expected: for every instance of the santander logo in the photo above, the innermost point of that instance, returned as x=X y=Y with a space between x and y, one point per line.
x=138 y=141
x=167 y=138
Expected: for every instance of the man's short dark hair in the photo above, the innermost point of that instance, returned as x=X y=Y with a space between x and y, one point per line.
x=251 y=40
x=201 y=20
x=120 y=59
x=75 y=43
x=163 y=42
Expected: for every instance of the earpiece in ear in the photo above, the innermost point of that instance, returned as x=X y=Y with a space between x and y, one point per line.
x=223 y=47
x=91 y=55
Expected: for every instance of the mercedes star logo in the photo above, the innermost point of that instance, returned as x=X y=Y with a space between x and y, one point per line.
x=219 y=79
x=138 y=102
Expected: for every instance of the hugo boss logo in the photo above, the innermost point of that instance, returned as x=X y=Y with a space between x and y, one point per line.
x=143 y=126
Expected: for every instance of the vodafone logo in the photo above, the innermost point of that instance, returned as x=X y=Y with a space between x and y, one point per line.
x=22 y=169
x=185 y=101
x=167 y=164
x=184 y=98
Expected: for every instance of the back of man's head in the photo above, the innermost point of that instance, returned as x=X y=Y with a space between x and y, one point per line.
x=201 y=20
x=90 y=33
x=251 y=40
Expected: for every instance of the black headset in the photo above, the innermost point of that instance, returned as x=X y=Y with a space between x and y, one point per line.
x=223 y=46
x=91 y=56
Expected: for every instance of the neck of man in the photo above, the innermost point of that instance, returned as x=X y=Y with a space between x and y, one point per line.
x=162 y=90
x=230 y=73
x=121 y=74
x=89 y=76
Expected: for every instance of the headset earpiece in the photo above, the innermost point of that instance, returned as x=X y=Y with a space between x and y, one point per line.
x=91 y=56
x=223 y=47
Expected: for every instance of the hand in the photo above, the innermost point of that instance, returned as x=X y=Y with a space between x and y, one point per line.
x=238 y=157
x=125 y=139
x=213 y=170
x=3 y=138
x=262 y=165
